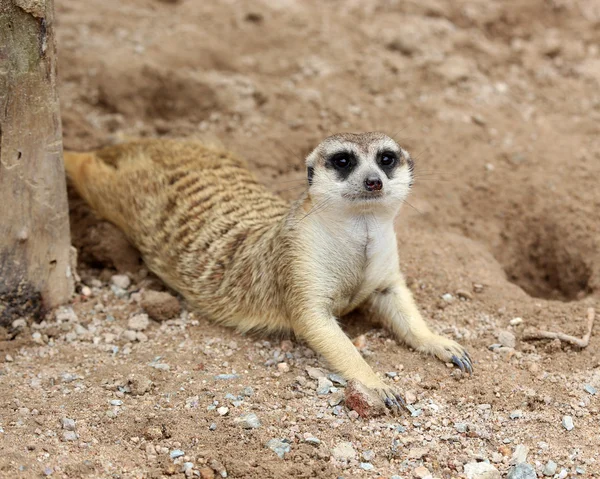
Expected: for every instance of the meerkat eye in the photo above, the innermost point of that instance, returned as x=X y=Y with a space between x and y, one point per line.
x=341 y=160
x=388 y=159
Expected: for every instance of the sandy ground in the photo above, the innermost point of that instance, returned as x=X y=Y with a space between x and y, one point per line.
x=500 y=104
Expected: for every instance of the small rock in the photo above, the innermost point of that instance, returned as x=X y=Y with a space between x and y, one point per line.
x=312 y=440
x=175 y=453
x=507 y=339
x=363 y=401
x=223 y=410
x=481 y=470
x=323 y=386
x=337 y=380
x=160 y=306
x=521 y=471
x=367 y=466
x=460 y=427
x=567 y=422
x=226 y=377
x=248 y=391
x=336 y=398
x=206 y=473
x=68 y=424
x=516 y=321
x=138 y=385
x=248 y=421
x=139 y=322
x=344 y=451
x=121 y=280
x=315 y=373
x=153 y=433
x=368 y=455
x=550 y=468
x=279 y=446
x=448 y=298
x=283 y=367
x=410 y=397
x=129 y=335
x=417 y=453
x=588 y=388
x=116 y=402
x=421 y=472
x=520 y=454
x=212 y=427
x=516 y=414
x=69 y=436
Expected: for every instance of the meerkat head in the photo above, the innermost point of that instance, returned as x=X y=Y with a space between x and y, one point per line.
x=365 y=171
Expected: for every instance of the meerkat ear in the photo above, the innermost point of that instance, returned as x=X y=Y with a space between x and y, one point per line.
x=311 y=173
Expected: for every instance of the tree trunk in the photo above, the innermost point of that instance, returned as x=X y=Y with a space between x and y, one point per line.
x=35 y=272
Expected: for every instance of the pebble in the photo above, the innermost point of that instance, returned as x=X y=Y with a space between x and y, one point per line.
x=361 y=400
x=86 y=291
x=68 y=424
x=279 y=446
x=368 y=455
x=460 y=427
x=336 y=398
x=417 y=453
x=226 y=377
x=175 y=453
x=129 y=335
x=323 y=386
x=315 y=373
x=447 y=297
x=206 y=473
x=248 y=421
x=588 y=388
x=516 y=321
x=521 y=471
x=367 y=466
x=421 y=472
x=116 y=402
x=69 y=436
x=567 y=422
x=481 y=470
x=516 y=414
x=520 y=454
x=360 y=342
x=212 y=427
x=160 y=306
x=344 y=451
x=507 y=339
x=312 y=440
x=248 y=391
x=337 y=380
x=223 y=410
x=139 y=322
x=121 y=280
x=550 y=468
x=283 y=367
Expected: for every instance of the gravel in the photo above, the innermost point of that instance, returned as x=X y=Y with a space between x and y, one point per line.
x=121 y=281
x=138 y=322
x=550 y=468
x=344 y=451
x=521 y=471
x=248 y=421
x=68 y=424
x=567 y=423
x=481 y=470
x=279 y=446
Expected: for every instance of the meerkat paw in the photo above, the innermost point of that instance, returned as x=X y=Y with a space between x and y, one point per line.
x=448 y=351
x=392 y=399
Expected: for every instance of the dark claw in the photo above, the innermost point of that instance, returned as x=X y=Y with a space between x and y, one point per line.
x=388 y=403
x=400 y=400
x=468 y=363
x=459 y=363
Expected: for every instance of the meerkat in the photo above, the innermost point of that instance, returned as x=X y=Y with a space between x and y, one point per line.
x=246 y=258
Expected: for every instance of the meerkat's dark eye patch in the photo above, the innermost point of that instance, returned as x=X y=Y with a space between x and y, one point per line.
x=388 y=161
x=311 y=173
x=343 y=162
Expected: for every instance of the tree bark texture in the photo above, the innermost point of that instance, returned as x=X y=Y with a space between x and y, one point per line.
x=35 y=272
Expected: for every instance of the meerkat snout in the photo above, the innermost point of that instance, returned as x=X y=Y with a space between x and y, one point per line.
x=373 y=183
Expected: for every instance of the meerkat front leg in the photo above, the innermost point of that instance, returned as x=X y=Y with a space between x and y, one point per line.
x=324 y=335
x=395 y=307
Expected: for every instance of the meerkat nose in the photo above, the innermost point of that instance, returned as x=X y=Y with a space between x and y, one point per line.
x=373 y=183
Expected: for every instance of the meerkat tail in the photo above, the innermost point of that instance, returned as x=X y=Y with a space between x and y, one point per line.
x=92 y=179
